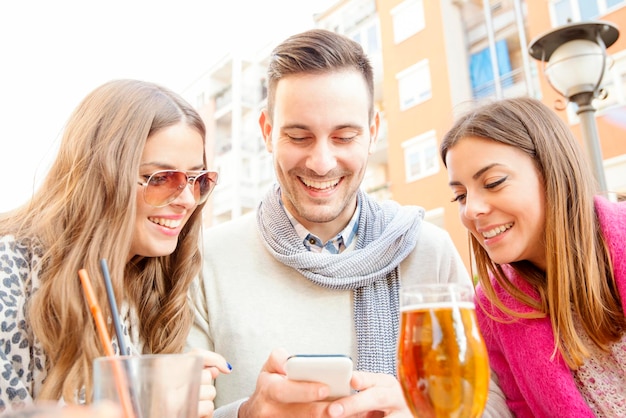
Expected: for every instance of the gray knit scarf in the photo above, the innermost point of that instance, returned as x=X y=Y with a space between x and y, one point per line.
x=387 y=233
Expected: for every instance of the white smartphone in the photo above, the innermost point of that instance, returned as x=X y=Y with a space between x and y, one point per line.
x=334 y=370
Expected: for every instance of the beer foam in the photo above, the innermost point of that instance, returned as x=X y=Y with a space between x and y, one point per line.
x=438 y=305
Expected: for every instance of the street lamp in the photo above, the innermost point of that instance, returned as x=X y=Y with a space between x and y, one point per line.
x=576 y=57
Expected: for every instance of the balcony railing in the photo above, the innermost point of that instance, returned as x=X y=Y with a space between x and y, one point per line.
x=512 y=84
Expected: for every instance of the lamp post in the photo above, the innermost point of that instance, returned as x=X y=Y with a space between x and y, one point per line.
x=576 y=61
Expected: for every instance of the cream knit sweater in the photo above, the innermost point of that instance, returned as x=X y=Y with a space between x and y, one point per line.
x=248 y=303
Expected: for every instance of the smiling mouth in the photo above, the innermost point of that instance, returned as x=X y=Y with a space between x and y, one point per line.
x=167 y=223
x=320 y=185
x=497 y=230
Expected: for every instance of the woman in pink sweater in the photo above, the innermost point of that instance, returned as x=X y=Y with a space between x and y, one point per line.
x=550 y=257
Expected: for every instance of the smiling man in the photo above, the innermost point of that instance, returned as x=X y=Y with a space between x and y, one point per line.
x=320 y=146
x=317 y=268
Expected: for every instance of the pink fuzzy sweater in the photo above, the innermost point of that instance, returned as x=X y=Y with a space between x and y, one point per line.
x=520 y=352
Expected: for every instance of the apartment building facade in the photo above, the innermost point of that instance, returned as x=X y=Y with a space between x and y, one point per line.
x=432 y=60
x=231 y=95
x=440 y=58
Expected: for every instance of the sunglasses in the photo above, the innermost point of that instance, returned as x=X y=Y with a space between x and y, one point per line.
x=162 y=187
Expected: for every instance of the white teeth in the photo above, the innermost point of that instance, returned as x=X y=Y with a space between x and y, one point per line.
x=168 y=223
x=497 y=230
x=320 y=185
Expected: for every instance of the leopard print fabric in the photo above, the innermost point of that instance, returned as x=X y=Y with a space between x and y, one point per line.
x=22 y=361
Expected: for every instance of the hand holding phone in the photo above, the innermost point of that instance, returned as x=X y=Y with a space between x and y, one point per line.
x=334 y=370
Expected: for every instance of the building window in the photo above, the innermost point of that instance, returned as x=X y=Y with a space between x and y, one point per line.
x=368 y=37
x=408 y=19
x=481 y=70
x=372 y=36
x=414 y=85
x=421 y=157
x=566 y=11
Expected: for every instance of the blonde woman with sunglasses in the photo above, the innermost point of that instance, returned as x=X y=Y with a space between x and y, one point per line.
x=128 y=185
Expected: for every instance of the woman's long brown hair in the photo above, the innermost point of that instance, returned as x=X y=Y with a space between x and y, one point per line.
x=85 y=211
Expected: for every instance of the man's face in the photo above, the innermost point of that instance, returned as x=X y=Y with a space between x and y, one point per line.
x=320 y=138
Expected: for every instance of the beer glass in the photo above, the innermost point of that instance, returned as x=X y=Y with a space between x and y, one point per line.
x=442 y=359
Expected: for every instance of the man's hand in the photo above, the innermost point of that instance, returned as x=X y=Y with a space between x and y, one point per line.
x=277 y=396
x=380 y=395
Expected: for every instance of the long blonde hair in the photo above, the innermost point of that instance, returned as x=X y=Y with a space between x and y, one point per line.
x=578 y=283
x=85 y=211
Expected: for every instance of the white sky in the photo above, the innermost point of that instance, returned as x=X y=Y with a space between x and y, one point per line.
x=54 y=52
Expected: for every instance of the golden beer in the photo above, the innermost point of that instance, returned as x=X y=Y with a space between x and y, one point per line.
x=442 y=360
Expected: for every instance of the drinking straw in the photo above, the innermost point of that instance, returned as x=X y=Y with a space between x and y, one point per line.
x=113 y=305
x=97 y=313
x=120 y=378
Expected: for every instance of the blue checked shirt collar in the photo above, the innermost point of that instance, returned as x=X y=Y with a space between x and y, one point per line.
x=345 y=240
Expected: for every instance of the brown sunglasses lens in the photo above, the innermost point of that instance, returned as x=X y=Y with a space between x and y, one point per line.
x=203 y=186
x=165 y=186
